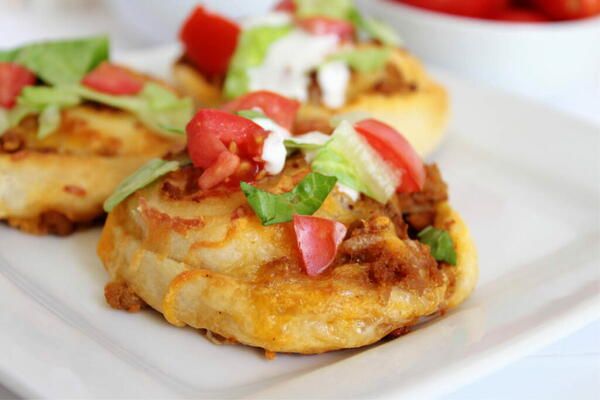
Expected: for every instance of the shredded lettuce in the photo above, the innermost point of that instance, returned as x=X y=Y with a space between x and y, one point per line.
x=39 y=97
x=4 y=120
x=349 y=157
x=375 y=28
x=251 y=114
x=60 y=62
x=156 y=106
x=163 y=107
x=340 y=9
x=440 y=243
x=251 y=51
x=48 y=121
x=304 y=199
x=47 y=101
x=147 y=174
x=291 y=144
x=364 y=60
x=12 y=117
x=345 y=9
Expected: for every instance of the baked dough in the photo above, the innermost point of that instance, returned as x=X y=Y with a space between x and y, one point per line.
x=49 y=185
x=204 y=260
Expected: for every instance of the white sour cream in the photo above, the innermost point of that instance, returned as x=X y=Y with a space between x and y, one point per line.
x=314 y=137
x=274 y=152
x=333 y=79
x=269 y=125
x=289 y=61
x=348 y=191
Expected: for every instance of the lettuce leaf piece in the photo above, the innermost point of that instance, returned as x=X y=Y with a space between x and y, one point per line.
x=304 y=199
x=375 y=28
x=250 y=114
x=4 y=121
x=293 y=144
x=8 y=55
x=250 y=52
x=47 y=101
x=163 y=107
x=39 y=97
x=60 y=62
x=346 y=10
x=440 y=243
x=173 y=129
x=147 y=174
x=12 y=117
x=349 y=157
x=48 y=120
x=157 y=107
x=363 y=59
x=309 y=143
x=340 y=9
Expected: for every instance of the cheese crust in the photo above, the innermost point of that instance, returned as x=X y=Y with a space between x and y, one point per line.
x=204 y=260
x=50 y=185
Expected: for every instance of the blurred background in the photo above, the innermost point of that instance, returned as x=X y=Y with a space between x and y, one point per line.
x=522 y=49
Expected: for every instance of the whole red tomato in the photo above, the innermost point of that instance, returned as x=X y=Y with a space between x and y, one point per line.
x=568 y=9
x=469 y=8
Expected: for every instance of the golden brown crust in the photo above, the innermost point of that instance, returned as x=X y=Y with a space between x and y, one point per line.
x=209 y=263
x=53 y=184
x=402 y=95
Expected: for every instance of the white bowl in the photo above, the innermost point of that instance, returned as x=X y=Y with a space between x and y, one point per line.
x=535 y=59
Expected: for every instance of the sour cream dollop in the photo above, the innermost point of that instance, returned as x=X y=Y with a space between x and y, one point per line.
x=289 y=61
x=274 y=152
x=333 y=79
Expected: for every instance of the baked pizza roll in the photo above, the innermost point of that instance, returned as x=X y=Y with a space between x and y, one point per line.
x=72 y=126
x=291 y=243
x=326 y=55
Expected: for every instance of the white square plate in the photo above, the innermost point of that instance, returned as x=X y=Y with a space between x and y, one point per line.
x=523 y=176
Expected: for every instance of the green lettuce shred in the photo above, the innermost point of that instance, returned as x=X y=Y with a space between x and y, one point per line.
x=60 y=62
x=440 y=243
x=156 y=106
x=144 y=176
x=250 y=52
x=363 y=59
x=304 y=199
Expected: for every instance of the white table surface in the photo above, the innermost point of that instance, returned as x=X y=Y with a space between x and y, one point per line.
x=569 y=368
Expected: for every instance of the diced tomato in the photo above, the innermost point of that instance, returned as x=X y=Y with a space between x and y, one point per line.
x=395 y=149
x=247 y=135
x=286 y=6
x=568 y=9
x=280 y=109
x=328 y=26
x=514 y=14
x=318 y=240
x=209 y=41
x=112 y=79
x=13 y=78
x=221 y=168
x=469 y=8
x=204 y=148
